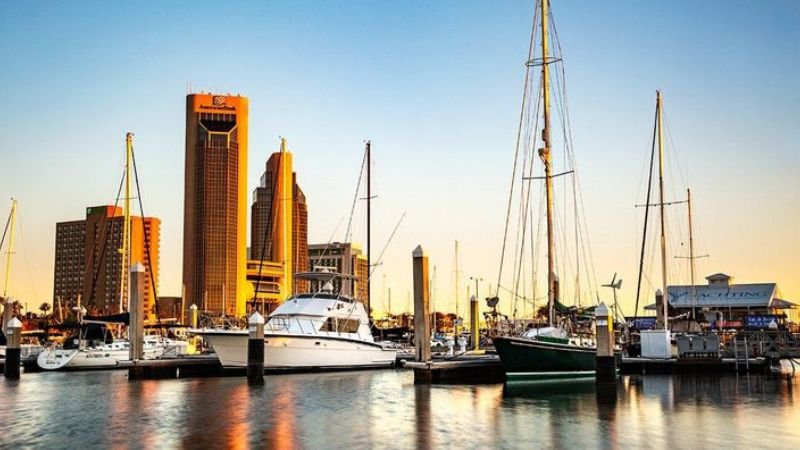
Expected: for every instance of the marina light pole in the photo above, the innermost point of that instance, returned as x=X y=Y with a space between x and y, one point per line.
x=477 y=280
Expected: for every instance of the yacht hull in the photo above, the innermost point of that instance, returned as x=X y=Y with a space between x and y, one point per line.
x=289 y=352
x=531 y=358
x=91 y=359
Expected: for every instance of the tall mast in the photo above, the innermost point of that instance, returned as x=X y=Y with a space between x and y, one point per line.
x=457 y=280
x=661 y=208
x=546 y=157
x=10 y=250
x=126 y=227
x=691 y=251
x=369 y=219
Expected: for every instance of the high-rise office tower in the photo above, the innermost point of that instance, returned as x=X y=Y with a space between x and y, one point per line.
x=215 y=203
x=88 y=261
x=279 y=221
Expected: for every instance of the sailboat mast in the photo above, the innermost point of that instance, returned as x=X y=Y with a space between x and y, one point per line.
x=369 y=220
x=10 y=251
x=546 y=157
x=691 y=252
x=661 y=207
x=126 y=226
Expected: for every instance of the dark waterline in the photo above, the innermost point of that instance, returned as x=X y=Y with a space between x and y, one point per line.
x=383 y=409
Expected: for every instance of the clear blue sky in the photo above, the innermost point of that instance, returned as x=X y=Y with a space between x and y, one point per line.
x=437 y=87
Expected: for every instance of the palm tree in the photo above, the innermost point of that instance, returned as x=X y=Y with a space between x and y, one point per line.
x=44 y=307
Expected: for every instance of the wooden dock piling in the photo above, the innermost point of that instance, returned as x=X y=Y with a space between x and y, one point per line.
x=422 y=307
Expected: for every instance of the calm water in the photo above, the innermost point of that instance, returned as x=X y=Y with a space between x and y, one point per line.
x=383 y=409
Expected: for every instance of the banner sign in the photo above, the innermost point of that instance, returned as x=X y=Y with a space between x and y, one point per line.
x=760 y=322
x=643 y=323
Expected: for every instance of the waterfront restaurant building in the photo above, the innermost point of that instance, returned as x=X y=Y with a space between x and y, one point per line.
x=730 y=302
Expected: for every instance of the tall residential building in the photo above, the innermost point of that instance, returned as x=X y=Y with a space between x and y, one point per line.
x=344 y=258
x=215 y=203
x=279 y=221
x=88 y=262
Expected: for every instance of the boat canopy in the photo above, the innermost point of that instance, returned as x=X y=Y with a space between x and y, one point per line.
x=123 y=318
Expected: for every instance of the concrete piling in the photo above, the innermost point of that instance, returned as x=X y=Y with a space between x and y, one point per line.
x=13 y=338
x=136 y=309
x=255 y=349
x=606 y=363
x=8 y=312
x=422 y=307
x=136 y=323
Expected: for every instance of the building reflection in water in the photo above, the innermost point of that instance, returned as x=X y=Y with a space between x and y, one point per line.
x=385 y=409
x=282 y=410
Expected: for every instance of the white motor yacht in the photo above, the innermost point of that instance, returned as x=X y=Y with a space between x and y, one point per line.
x=319 y=331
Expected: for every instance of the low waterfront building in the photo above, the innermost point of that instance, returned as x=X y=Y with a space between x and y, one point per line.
x=725 y=304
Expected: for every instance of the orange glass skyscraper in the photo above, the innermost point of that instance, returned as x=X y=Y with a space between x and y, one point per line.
x=215 y=203
x=279 y=221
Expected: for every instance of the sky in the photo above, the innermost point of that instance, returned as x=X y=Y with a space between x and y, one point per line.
x=437 y=87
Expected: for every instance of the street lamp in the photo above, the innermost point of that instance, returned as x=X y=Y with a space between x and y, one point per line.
x=477 y=279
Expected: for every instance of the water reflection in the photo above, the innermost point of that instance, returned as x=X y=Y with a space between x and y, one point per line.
x=384 y=409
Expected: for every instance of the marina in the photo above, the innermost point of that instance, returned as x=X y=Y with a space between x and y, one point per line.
x=216 y=287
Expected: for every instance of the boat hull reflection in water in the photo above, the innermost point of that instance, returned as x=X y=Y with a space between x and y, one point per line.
x=308 y=411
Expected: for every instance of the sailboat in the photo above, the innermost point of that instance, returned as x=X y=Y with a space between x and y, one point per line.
x=550 y=351
x=104 y=351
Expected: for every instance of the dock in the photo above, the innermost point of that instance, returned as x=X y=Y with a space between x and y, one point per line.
x=464 y=369
x=186 y=367
x=644 y=366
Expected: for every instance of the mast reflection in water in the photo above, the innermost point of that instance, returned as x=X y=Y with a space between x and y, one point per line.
x=384 y=409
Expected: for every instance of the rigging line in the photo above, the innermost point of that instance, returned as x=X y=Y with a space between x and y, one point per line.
x=24 y=252
x=5 y=230
x=527 y=166
x=517 y=146
x=146 y=234
x=103 y=238
x=570 y=149
x=646 y=214
x=674 y=147
x=525 y=200
x=535 y=260
x=355 y=199
x=388 y=241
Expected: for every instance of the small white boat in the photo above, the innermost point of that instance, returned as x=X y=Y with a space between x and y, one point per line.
x=87 y=356
x=320 y=331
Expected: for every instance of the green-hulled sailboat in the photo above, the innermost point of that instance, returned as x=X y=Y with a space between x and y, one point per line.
x=547 y=352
